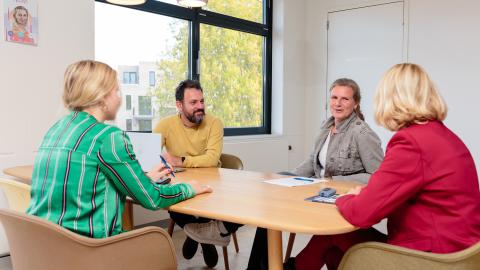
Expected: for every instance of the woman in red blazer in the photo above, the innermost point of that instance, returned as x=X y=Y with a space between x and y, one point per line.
x=427 y=185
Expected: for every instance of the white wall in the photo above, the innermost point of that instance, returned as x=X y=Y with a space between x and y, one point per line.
x=293 y=109
x=443 y=36
x=446 y=43
x=31 y=76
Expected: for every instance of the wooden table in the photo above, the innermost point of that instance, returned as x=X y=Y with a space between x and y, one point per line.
x=21 y=173
x=242 y=197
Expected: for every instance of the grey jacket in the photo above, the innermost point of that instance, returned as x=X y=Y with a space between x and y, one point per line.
x=354 y=152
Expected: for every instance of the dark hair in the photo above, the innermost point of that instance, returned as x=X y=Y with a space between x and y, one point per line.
x=180 y=90
x=356 y=93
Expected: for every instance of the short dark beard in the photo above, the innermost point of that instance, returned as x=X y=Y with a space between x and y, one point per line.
x=196 y=119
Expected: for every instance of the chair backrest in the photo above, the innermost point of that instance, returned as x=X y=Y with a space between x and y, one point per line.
x=376 y=256
x=231 y=162
x=17 y=193
x=4 y=248
x=13 y=195
x=39 y=244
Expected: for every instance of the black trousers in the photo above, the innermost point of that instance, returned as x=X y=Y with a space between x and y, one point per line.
x=259 y=254
x=183 y=219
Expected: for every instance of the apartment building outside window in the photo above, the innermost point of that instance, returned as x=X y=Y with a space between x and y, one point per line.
x=151 y=78
x=130 y=78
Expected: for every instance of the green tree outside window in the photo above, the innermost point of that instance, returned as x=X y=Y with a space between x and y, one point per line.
x=231 y=67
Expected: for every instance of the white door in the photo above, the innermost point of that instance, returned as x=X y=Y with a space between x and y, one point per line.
x=362 y=44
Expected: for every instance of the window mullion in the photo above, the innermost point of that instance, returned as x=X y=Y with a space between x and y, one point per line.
x=267 y=69
x=225 y=21
x=194 y=48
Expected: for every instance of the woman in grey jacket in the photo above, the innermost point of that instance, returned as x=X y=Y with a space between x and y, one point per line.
x=346 y=148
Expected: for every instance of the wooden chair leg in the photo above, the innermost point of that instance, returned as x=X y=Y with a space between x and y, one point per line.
x=291 y=239
x=235 y=242
x=171 y=226
x=225 y=258
x=127 y=217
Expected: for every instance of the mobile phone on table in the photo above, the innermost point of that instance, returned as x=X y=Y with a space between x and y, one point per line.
x=164 y=181
x=178 y=169
x=327 y=192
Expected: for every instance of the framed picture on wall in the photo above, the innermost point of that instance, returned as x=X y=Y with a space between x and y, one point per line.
x=21 y=21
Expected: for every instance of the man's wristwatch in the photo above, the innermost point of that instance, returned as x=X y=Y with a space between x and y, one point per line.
x=183 y=159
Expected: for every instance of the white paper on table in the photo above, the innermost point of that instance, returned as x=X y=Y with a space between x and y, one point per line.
x=294 y=181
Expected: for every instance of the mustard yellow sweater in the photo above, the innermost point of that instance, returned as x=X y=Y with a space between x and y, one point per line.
x=201 y=146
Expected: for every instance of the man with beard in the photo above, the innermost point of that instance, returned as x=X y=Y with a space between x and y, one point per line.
x=191 y=138
x=194 y=139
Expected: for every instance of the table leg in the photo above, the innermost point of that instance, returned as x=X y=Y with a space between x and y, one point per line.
x=274 y=250
x=127 y=218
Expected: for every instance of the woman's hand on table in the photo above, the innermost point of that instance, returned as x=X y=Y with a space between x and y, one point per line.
x=199 y=189
x=354 y=191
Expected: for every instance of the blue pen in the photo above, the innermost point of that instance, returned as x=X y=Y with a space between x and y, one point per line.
x=303 y=179
x=166 y=165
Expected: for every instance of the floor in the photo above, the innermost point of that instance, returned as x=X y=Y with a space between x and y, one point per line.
x=239 y=260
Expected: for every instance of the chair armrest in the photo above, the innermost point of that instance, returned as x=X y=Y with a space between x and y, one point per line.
x=125 y=236
x=374 y=255
x=145 y=248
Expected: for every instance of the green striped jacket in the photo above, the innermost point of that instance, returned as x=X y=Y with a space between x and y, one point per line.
x=83 y=172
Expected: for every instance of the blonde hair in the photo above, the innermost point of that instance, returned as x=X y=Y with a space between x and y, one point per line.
x=406 y=95
x=16 y=10
x=87 y=83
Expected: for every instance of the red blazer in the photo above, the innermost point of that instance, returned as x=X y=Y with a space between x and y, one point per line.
x=427 y=187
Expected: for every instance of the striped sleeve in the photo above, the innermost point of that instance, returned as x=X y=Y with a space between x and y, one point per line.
x=117 y=160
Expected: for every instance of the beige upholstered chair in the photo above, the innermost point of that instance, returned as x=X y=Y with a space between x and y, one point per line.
x=231 y=162
x=17 y=193
x=13 y=195
x=39 y=244
x=380 y=256
x=228 y=162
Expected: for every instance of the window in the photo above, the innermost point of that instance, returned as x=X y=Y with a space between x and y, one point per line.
x=130 y=78
x=137 y=55
x=231 y=70
x=128 y=102
x=226 y=45
x=128 y=124
x=144 y=125
x=251 y=10
x=151 y=78
x=144 y=105
x=174 y=2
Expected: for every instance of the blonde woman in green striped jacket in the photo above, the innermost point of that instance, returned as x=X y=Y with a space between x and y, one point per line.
x=84 y=168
